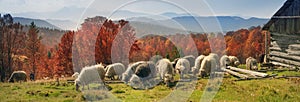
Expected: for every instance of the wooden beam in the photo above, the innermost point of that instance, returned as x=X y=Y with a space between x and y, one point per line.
x=282 y=64
x=275 y=48
x=291 y=52
x=285 y=35
x=284 y=55
x=285 y=61
x=243 y=76
x=254 y=73
x=294 y=47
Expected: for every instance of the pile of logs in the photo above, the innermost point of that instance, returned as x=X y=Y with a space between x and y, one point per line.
x=288 y=58
x=244 y=74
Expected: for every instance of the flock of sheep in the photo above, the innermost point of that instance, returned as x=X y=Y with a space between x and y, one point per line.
x=162 y=70
x=153 y=72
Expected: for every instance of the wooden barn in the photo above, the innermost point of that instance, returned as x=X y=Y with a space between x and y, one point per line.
x=284 y=29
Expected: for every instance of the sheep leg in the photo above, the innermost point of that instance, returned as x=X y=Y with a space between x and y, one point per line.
x=77 y=87
x=181 y=75
x=82 y=87
x=119 y=77
x=113 y=77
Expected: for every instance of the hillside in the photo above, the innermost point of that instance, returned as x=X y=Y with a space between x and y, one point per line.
x=38 y=22
x=50 y=37
x=63 y=24
x=190 y=23
x=143 y=28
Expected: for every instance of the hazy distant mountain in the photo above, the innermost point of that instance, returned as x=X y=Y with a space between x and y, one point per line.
x=50 y=37
x=143 y=28
x=37 y=22
x=190 y=23
x=141 y=19
x=172 y=14
x=76 y=14
x=63 y=24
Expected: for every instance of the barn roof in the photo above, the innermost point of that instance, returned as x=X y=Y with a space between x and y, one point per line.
x=286 y=19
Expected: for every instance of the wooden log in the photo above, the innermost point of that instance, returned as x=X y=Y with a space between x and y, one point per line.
x=243 y=76
x=291 y=52
x=284 y=55
x=281 y=64
x=275 y=48
x=285 y=40
x=254 y=73
x=294 y=47
x=285 y=35
x=285 y=61
x=274 y=44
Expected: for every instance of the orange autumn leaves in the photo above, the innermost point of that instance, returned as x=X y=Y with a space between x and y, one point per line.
x=104 y=41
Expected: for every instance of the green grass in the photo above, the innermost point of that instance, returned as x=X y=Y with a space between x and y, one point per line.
x=31 y=91
x=264 y=90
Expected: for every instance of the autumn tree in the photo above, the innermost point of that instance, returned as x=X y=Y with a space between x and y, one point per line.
x=123 y=42
x=114 y=37
x=64 y=65
x=9 y=41
x=33 y=47
x=254 y=43
x=84 y=42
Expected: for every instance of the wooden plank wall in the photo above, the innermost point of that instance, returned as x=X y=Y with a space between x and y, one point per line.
x=285 y=50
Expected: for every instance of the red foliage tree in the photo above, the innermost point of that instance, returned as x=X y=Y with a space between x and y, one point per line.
x=64 y=65
x=33 y=47
x=116 y=38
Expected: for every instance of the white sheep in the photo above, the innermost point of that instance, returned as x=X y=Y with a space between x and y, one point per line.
x=208 y=64
x=130 y=71
x=197 y=66
x=224 y=61
x=251 y=63
x=91 y=74
x=182 y=67
x=147 y=69
x=145 y=76
x=234 y=61
x=216 y=56
x=114 y=69
x=191 y=59
x=165 y=70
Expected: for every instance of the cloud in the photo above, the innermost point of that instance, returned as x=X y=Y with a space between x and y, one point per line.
x=72 y=9
x=22 y=6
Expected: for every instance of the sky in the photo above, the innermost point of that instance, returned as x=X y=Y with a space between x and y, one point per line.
x=76 y=9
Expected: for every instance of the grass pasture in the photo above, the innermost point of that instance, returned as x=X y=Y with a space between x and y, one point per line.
x=264 y=90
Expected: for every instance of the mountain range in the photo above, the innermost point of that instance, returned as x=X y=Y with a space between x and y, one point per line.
x=165 y=23
x=205 y=24
x=38 y=22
